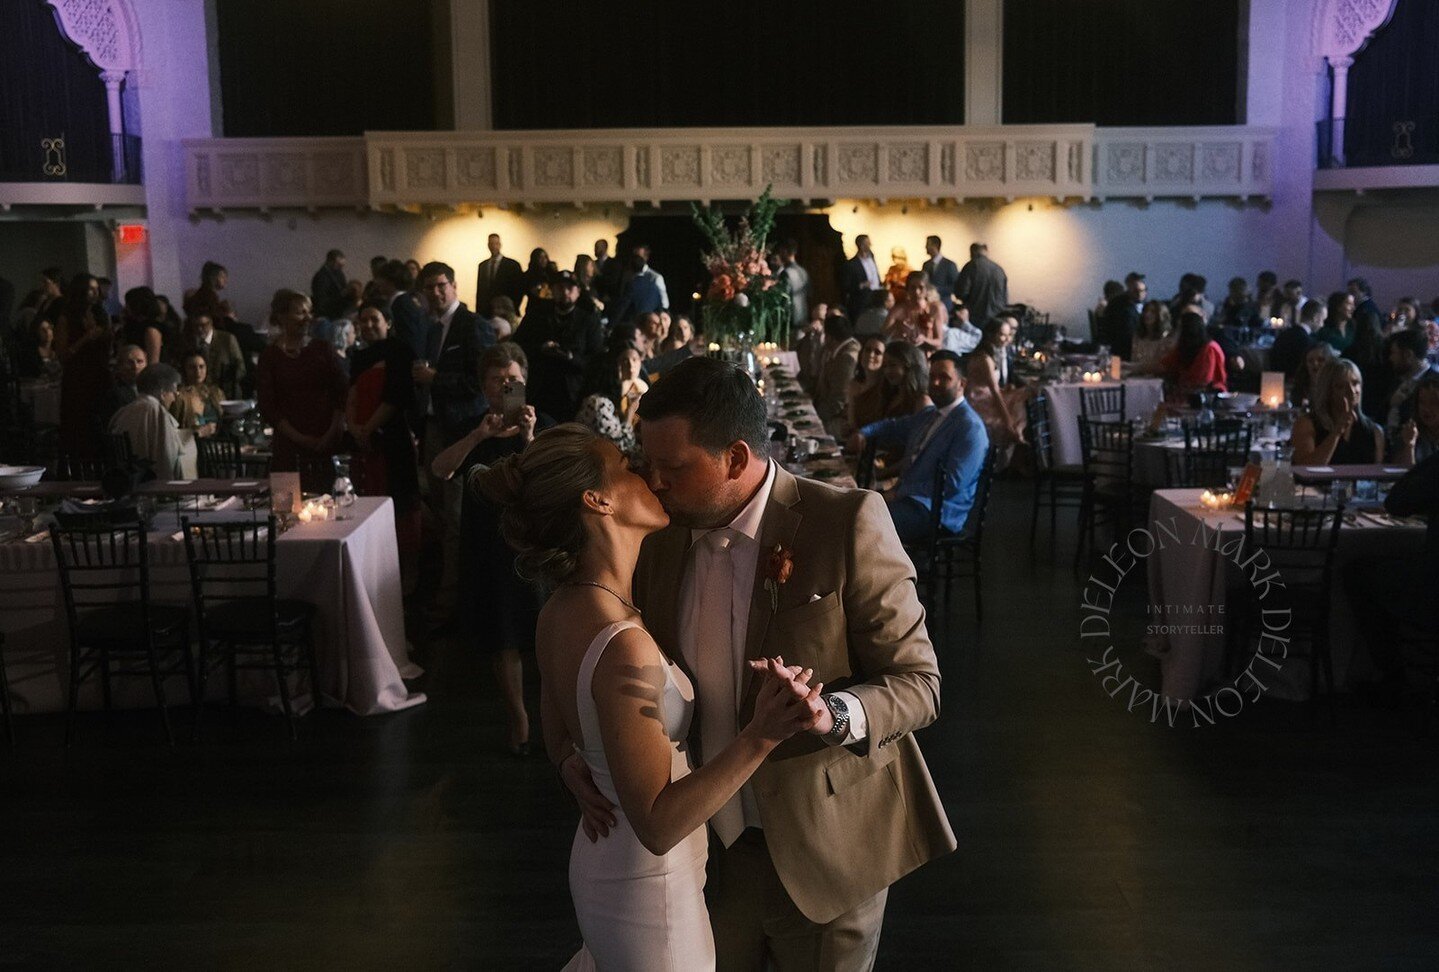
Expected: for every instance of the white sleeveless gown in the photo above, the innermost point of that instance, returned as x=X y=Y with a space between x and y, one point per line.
x=638 y=911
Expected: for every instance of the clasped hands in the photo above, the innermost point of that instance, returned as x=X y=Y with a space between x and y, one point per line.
x=787 y=703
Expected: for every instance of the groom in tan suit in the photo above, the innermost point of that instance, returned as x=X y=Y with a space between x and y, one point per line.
x=758 y=563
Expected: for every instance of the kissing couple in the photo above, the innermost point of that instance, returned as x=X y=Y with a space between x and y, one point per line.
x=726 y=644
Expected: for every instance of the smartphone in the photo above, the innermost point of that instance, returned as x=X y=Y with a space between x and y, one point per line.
x=514 y=402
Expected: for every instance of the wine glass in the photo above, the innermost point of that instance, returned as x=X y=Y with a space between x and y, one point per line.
x=27 y=508
x=343 y=490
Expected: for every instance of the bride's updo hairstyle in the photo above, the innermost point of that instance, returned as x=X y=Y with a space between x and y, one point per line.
x=538 y=492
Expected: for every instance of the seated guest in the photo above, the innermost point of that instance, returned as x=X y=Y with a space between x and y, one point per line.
x=224 y=362
x=1293 y=341
x=1111 y=290
x=197 y=404
x=1408 y=365
x=948 y=435
x=961 y=336
x=998 y=403
x=37 y=356
x=841 y=357
x=611 y=406
x=903 y=390
x=1417 y=437
x=920 y=319
x=681 y=335
x=1338 y=329
x=1155 y=337
x=501 y=623
x=1238 y=309
x=1301 y=393
x=1196 y=363
x=559 y=337
x=504 y=318
x=301 y=388
x=129 y=362
x=153 y=432
x=1334 y=431
x=877 y=305
x=866 y=383
x=656 y=326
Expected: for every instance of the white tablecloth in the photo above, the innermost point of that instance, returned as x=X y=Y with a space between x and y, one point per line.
x=348 y=569
x=1191 y=575
x=1141 y=397
x=1151 y=468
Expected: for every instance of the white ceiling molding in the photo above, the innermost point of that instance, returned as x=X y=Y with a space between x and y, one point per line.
x=106 y=30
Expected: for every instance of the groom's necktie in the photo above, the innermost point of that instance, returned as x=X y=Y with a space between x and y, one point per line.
x=715 y=664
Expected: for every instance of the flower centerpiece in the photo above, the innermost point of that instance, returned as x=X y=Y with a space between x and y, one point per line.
x=744 y=301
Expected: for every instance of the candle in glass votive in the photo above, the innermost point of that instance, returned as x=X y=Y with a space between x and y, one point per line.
x=1271 y=388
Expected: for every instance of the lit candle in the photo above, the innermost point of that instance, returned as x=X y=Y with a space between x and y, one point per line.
x=1276 y=322
x=1271 y=388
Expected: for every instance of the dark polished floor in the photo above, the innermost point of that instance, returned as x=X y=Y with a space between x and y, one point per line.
x=1088 y=837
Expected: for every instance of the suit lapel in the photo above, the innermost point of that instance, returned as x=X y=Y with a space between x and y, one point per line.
x=660 y=600
x=777 y=528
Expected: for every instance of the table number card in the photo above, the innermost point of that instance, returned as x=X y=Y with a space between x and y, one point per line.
x=1247 y=482
x=285 y=484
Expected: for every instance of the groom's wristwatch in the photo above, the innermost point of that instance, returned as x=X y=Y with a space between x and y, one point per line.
x=837 y=708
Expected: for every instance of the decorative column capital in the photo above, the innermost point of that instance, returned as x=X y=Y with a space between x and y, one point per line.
x=112 y=79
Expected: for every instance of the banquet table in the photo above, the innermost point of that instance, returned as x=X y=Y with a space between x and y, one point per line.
x=793 y=408
x=349 y=569
x=1151 y=465
x=1189 y=574
x=1141 y=397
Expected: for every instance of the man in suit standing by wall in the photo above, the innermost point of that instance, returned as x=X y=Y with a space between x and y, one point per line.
x=943 y=273
x=643 y=293
x=499 y=276
x=983 y=286
x=327 y=287
x=861 y=277
x=1121 y=317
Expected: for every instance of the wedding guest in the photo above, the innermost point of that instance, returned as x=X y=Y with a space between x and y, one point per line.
x=1369 y=351
x=903 y=391
x=897 y=276
x=1191 y=291
x=1239 y=309
x=301 y=388
x=1290 y=302
x=1294 y=340
x=870 y=322
x=609 y=274
x=1338 y=329
x=327 y=286
x=504 y=318
x=983 y=285
x=118 y=392
x=40 y=302
x=795 y=279
x=587 y=274
x=1334 y=431
x=961 y=336
x=37 y=356
x=412 y=267
x=1121 y=318
x=1417 y=437
x=861 y=279
x=1364 y=306
x=85 y=376
x=1302 y=390
x=611 y=405
x=656 y=327
x=142 y=322
x=224 y=362
x=559 y=337
x=865 y=386
x=837 y=367
x=499 y=276
x=1111 y=290
x=681 y=334
x=949 y=435
x=1155 y=336
x=78 y=312
x=536 y=279
x=642 y=292
x=377 y=407
x=998 y=403
x=1196 y=362
x=809 y=348
x=1408 y=365
x=500 y=624
x=206 y=299
x=108 y=298
x=153 y=432
x=921 y=318
x=943 y=272
x=197 y=403
x=1267 y=297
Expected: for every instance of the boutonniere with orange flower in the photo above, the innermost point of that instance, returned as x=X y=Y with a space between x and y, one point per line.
x=778 y=569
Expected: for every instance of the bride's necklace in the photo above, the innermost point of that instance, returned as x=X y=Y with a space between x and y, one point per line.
x=623 y=600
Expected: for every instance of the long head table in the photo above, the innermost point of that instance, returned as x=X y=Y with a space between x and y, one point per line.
x=349 y=569
x=795 y=410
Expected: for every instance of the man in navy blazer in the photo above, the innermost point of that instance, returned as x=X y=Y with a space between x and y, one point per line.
x=948 y=435
x=499 y=276
x=942 y=271
x=642 y=294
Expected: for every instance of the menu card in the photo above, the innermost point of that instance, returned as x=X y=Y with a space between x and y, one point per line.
x=1247 y=482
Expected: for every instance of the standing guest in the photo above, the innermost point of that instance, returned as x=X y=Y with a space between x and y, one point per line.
x=1155 y=336
x=109 y=300
x=142 y=322
x=1334 y=431
x=37 y=357
x=1293 y=341
x=327 y=286
x=1408 y=366
x=1301 y=392
x=585 y=273
x=206 y=299
x=1338 y=329
x=153 y=432
x=1121 y=317
x=809 y=348
x=1364 y=306
x=897 y=276
x=397 y=286
x=943 y=272
x=1238 y=309
x=902 y=391
x=921 y=318
x=86 y=394
x=559 y=338
x=381 y=396
x=376 y=262
x=614 y=390
x=983 y=286
x=837 y=368
x=1111 y=290
x=1196 y=363
x=536 y=280
x=861 y=278
x=301 y=388
x=1404 y=314
x=501 y=623
x=998 y=403
x=352 y=298
x=948 y=435
x=609 y=274
x=499 y=276
x=197 y=403
x=1417 y=437
x=870 y=322
x=78 y=312
x=40 y=301
x=640 y=294
x=224 y=362
x=412 y=267
x=866 y=385
x=121 y=391
x=1368 y=351
x=795 y=280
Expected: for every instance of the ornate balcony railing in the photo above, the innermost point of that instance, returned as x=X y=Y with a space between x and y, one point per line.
x=454 y=169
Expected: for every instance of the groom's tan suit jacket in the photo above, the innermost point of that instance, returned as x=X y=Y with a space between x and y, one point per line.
x=841 y=823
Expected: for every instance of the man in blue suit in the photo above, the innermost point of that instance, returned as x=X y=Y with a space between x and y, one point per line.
x=642 y=294
x=943 y=273
x=948 y=435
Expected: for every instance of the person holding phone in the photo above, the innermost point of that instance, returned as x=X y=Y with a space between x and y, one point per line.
x=498 y=609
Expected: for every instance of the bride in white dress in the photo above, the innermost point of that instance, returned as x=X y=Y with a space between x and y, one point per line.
x=577 y=516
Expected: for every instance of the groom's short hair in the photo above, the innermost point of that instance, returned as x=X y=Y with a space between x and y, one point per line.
x=721 y=402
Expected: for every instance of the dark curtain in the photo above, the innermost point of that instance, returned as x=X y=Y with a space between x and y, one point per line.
x=1393 y=110
x=48 y=89
x=667 y=64
x=1122 y=62
x=326 y=67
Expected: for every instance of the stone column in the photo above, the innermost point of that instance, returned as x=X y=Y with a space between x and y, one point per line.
x=983 y=61
x=113 y=80
x=470 y=64
x=1339 y=107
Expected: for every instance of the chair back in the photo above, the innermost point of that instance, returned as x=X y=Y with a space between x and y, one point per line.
x=1299 y=541
x=1038 y=432
x=1107 y=450
x=1200 y=468
x=219 y=457
x=1225 y=435
x=230 y=560
x=119 y=453
x=864 y=470
x=74 y=470
x=1102 y=402
x=101 y=566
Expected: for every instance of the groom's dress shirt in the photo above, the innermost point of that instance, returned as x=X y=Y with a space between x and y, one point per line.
x=742 y=558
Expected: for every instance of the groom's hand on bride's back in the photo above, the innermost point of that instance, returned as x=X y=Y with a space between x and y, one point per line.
x=597 y=814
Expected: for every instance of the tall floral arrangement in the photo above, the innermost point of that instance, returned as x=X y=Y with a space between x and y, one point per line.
x=743 y=296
